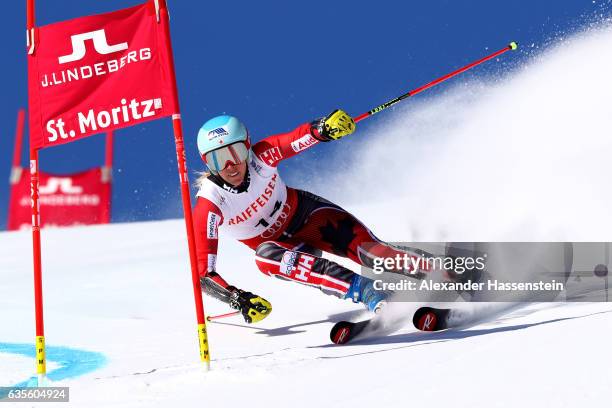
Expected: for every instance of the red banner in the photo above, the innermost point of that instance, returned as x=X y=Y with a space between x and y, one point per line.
x=75 y=199
x=98 y=73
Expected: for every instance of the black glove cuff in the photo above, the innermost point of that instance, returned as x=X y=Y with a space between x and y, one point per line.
x=234 y=299
x=317 y=130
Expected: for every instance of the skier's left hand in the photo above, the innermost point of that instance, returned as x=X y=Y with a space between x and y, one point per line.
x=253 y=308
x=334 y=126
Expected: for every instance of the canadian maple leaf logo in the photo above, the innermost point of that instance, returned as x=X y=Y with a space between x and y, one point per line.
x=340 y=237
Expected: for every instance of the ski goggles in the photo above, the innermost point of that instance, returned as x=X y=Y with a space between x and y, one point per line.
x=233 y=154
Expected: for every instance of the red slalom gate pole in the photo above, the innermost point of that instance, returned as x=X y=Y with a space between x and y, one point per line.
x=41 y=364
x=107 y=176
x=18 y=138
x=41 y=361
x=162 y=14
x=16 y=168
x=108 y=157
x=512 y=46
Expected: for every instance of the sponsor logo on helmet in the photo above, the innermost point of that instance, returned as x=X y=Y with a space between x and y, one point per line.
x=218 y=132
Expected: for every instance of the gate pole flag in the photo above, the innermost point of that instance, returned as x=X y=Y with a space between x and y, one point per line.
x=99 y=73
x=108 y=155
x=81 y=198
x=107 y=176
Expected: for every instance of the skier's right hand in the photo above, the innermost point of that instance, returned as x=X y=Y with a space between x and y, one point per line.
x=252 y=307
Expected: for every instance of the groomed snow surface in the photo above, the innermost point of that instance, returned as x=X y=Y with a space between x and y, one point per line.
x=124 y=291
x=119 y=314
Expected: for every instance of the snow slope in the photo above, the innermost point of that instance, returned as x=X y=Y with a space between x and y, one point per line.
x=519 y=159
x=126 y=294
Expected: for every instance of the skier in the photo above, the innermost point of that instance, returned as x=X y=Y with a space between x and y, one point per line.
x=288 y=228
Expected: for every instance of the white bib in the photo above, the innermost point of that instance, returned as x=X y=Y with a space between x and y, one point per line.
x=250 y=213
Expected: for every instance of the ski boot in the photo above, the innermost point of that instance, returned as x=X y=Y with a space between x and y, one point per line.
x=362 y=291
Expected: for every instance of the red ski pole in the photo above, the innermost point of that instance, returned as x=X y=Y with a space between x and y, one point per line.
x=511 y=46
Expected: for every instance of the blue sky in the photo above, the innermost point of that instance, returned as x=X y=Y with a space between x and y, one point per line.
x=276 y=64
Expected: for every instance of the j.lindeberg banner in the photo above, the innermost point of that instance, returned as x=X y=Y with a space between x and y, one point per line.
x=71 y=199
x=98 y=73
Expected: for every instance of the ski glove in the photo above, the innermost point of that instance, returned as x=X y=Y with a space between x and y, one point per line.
x=334 y=126
x=253 y=308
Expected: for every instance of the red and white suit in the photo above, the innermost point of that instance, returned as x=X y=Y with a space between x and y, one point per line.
x=287 y=227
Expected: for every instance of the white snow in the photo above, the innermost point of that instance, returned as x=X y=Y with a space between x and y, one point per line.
x=126 y=293
x=521 y=160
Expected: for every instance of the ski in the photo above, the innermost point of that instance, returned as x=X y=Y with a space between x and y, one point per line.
x=431 y=319
x=344 y=331
x=424 y=319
